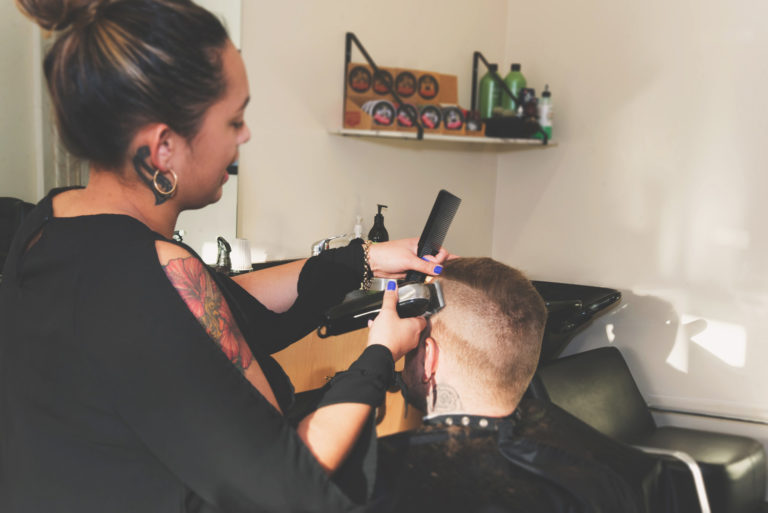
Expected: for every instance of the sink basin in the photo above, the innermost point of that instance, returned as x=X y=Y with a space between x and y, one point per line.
x=571 y=308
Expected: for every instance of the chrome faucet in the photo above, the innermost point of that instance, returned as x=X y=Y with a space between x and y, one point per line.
x=323 y=244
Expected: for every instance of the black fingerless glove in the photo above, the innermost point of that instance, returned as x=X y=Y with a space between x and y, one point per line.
x=366 y=381
x=333 y=272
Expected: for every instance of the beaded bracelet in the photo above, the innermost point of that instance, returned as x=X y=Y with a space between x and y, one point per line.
x=367 y=272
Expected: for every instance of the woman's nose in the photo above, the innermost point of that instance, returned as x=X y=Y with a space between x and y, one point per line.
x=245 y=135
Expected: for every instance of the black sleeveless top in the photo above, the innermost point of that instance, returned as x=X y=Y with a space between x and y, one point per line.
x=113 y=397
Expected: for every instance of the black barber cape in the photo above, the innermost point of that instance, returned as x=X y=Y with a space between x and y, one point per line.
x=541 y=459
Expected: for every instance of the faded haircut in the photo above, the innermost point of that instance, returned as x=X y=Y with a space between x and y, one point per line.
x=491 y=327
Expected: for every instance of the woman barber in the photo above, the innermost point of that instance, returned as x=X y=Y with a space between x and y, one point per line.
x=132 y=378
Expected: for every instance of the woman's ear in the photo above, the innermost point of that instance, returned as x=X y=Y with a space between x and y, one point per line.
x=163 y=146
x=160 y=140
x=431 y=356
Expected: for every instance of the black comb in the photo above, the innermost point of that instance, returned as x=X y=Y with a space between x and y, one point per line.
x=439 y=221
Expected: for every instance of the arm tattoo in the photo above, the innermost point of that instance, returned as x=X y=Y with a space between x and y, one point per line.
x=447 y=399
x=207 y=304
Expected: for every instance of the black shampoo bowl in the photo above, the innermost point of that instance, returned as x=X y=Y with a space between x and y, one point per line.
x=571 y=309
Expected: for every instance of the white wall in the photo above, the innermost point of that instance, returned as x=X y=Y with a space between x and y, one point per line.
x=229 y=12
x=17 y=130
x=298 y=183
x=657 y=186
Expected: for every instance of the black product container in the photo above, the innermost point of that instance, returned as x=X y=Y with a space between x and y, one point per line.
x=382 y=82
x=403 y=117
x=430 y=116
x=511 y=127
x=378 y=233
x=453 y=118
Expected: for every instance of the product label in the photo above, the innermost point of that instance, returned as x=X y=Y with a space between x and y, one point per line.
x=383 y=113
x=403 y=117
x=430 y=117
x=382 y=82
x=405 y=84
x=545 y=115
x=453 y=119
x=352 y=118
x=359 y=79
x=428 y=87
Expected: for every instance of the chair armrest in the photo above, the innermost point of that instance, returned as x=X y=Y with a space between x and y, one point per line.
x=693 y=466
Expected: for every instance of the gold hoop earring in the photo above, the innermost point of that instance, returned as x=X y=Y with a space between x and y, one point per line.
x=167 y=189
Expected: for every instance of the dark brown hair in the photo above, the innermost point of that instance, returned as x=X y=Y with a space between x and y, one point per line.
x=117 y=65
x=492 y=325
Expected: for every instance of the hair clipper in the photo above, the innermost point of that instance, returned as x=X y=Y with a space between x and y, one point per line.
x=414 y=299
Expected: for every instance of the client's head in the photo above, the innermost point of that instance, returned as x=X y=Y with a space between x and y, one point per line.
x=479 y=352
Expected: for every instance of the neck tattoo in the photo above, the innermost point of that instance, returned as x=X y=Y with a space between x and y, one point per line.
x=446 y=399
x=147 y=174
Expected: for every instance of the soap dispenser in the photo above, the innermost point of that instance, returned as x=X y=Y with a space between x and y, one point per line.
x=358 y=229
x=378 y=233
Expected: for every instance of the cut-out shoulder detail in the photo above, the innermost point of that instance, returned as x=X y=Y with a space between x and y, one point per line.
x=67 y=203
x=202 y=296
x=168 y=250
x=34 y=239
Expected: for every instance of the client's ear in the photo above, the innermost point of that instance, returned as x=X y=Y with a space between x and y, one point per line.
x=431 y=354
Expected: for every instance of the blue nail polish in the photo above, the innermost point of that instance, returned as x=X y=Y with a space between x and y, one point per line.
x=391 y=285
x=425 y=259
x=438 y=269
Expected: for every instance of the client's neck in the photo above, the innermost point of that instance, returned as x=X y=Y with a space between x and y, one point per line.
x=452 y=398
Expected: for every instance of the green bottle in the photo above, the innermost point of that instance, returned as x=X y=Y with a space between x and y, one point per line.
x=516 y=83
x=490 y=92
x=545 y=114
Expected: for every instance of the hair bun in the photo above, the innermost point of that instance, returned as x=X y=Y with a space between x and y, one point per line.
x=59 y=14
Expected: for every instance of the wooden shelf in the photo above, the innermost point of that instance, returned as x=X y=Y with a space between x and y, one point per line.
x=391 y=134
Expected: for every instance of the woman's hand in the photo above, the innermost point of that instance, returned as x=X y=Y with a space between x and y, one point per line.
x=393 y=259
x=388 y=329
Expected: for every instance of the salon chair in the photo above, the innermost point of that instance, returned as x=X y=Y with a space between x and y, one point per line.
x=12 y=213
x=597 y=387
